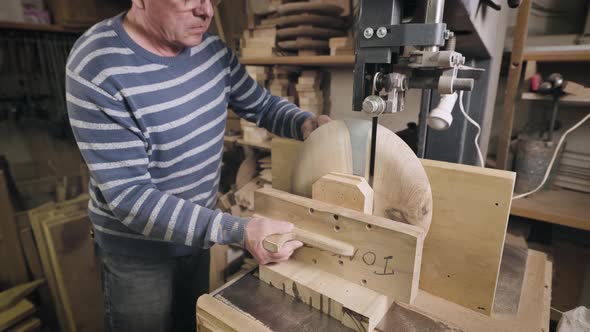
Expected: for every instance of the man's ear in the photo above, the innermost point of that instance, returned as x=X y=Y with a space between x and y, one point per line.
x=138 y=3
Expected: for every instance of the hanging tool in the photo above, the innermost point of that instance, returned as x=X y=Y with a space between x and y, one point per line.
x=554 y=87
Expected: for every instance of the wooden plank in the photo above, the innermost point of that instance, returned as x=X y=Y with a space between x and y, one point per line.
x=14 y=269
x=349 y=191
x=30 y=325
x=15 y=314
x=533 y=309
x=541 y=55
x=37 y=218
x=31 y=254
x=71 y=251
x=214 y=315
x=562 y=207
x=565 y=100
x=514 y=72
x=463 y=249
x=14 y=295
x=284 y=154
x=388 y=256
x=348 y=302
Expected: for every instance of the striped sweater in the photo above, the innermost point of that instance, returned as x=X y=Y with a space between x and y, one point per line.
x=151 y=128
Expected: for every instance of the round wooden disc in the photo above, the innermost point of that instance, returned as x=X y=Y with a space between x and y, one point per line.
x=309 y=31
x=308 y=19
x=309 y=7
x=303 y=44
x=401 y=187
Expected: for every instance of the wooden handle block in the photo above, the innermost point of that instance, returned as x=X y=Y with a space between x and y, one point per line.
x=274 y=243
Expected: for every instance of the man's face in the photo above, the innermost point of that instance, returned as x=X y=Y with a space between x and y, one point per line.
x=181 y=22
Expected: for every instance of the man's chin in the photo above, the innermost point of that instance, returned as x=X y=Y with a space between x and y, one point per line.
x=192 y=41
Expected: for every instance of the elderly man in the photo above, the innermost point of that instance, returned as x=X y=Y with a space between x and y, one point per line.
x=147 y=96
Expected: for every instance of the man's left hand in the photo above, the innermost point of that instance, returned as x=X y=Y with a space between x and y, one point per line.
x=313 y=123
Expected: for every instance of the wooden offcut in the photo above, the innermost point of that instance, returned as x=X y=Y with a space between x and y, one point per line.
x=463 y=249
x=14 y=270
x=214 y=315
x=275 y=242
x=349 y=191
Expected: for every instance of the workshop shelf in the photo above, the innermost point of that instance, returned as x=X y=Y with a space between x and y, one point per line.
x=565 y=100
x=39 y=27
x=307 y=61
x=562 y=207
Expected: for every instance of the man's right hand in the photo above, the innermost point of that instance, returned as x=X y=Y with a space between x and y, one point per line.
x=258 y=229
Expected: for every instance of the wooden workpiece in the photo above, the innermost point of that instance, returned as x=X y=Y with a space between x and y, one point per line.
x=349 y=191
x=386 y=262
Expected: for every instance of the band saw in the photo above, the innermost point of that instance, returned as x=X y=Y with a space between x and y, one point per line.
x=381 y=228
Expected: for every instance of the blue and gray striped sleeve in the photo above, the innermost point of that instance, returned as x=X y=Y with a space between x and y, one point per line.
x=115 y=150
x=254 y=103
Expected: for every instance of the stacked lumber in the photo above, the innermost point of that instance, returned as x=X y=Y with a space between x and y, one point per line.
x=254 y=134
x=65 y=251
x=573 y=172
x=260 y=74
x=311 y=98
x=305 y=27
x=16 y=312
x=259 y=42
x=265 y=166
x=341 y=46
x=280 y=84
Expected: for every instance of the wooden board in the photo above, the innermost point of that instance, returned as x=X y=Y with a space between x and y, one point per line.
x=71 y=251
x=463 y=249
x=388 y=255
x=309 y=7
x=30 y=325
x=308 y=31
x=284 y=152
x=562 y=207
x=349 y=191
x=15 y=314
x=12 y=261
x=11 y=297
x=214 y=315
x=306 y=19
x=533 y=313
x=348 y=302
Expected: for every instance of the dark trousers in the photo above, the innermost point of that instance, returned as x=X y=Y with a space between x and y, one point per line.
x=152 y=294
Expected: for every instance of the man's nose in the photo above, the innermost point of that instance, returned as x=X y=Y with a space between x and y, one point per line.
x=206 y=8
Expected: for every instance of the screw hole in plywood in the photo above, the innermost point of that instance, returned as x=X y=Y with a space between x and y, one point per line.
x=497 y=204
x=311 y=210
x=340 y=262
x=315 y=261
x=364 y=281
x=335 y=217
x=369 y=227
x=337 y=228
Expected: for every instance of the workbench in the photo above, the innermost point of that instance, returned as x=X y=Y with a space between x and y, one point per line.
x=523 y=298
